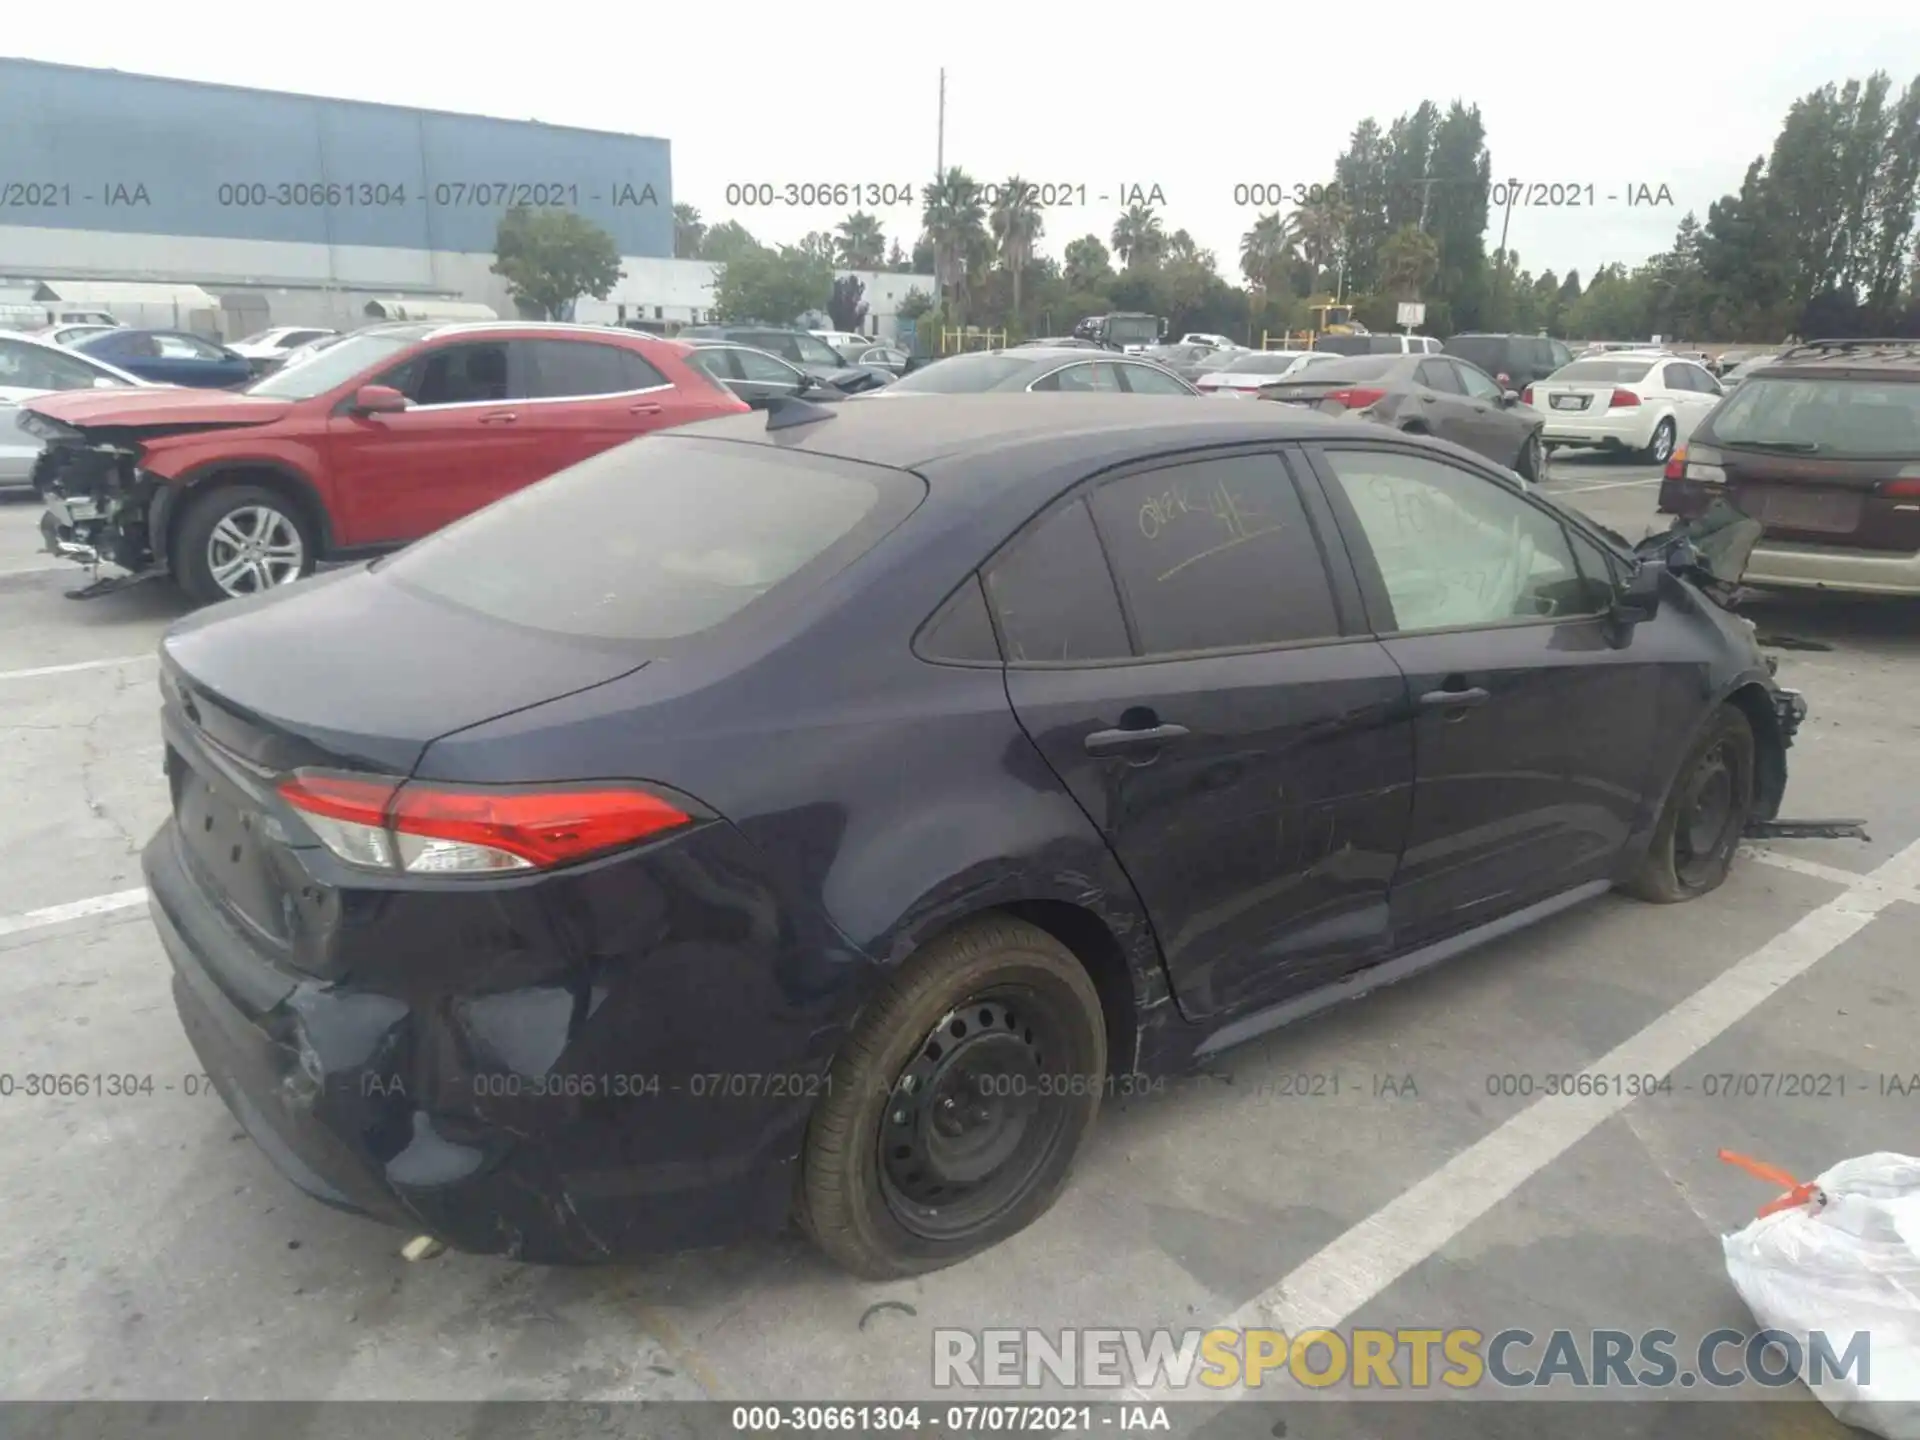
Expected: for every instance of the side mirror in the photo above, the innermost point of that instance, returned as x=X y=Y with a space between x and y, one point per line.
x=1509 y=397
x=378 y=400
x=1639 y=598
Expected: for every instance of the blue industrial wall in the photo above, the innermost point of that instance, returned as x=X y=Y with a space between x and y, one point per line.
x=100 y=150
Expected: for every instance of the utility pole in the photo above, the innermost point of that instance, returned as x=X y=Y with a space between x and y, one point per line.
x=1500 y=271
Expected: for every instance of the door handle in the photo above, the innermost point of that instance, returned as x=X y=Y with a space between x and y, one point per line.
x=644 y=408
x=1454 y=699
x=499 y=417
x=1118 y=742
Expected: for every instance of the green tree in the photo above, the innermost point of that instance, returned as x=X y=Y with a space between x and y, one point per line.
x=1408 y=263
x=688 y=232
x=819 y=245
x=1138 y=236
x=1016 y=224
x=1457 y=212
x=1183 y=249
x=1269 y=251
x=954 y=214
x=1322 y=228
x=1088 y=263
x=772 y=287
x=898 y=260
x=550 y=258
x=726 y=240
x=845 y=305
x=860 y=244
x=1360 y=174
x=913 y=305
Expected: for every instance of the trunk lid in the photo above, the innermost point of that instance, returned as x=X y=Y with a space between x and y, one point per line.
x=157 y=408
x=342 y=672
x=1314 y=394
x=1579 y=401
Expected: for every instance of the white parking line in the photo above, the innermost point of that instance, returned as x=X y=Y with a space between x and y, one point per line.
x=78 y=665
x=1329 y=1286
x=72 y=910
x=1830 y=873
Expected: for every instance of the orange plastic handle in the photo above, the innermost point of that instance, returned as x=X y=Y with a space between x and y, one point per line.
x=1799 y=1192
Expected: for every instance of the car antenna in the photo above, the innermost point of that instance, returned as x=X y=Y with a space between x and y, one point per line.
x=790 y=410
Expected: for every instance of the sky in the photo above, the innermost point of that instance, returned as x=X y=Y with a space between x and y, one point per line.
x=1104 y=98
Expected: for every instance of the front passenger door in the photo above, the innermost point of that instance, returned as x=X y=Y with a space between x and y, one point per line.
x=1534 y=734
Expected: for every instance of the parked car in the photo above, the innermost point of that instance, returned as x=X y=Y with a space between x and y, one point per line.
x=369 y=444
x=848 y=344
x=169 y=357
x=1821 y=445
x=1211 y=341
x=1244 y=374
x=1425 y=395
x=1103 y=743
x=1515 y=361
x=68 y=334
x=755 y=376
x=1734 y=374
x=1039 y=369
x=889 y=358
x=1376 y=344
x=32 y=367
x=1636 y=402
x=796 y=347
x=1059 y=342
x=269 y=349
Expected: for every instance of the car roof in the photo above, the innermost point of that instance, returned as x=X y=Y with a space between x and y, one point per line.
x=1887 y=356
x=950 y=430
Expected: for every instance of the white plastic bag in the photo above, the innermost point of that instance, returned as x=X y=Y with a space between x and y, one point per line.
x=1846 y=1258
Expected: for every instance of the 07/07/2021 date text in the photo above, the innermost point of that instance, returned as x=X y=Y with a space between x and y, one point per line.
x=1501 y=195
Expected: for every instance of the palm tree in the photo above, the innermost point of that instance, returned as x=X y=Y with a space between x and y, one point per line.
x=1269 y=250
x=688 y=231
x=1016 y=225
x=1408 y=262
x=1322 y=227
x=955 y=220
x=860 y=242
x=1138 y=238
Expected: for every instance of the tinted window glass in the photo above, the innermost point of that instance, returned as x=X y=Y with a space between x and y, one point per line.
x=1824 y=416
x=965 y=374
x=182 y=347
x=1454 y=548
x=1081 y=378
x=656 y=540
x=720 y=363
x=1603 y=372
x=1215 y=554
x=1540 y=354
x=818 y=352
x=1143 y=380
x=1675 y=377
x=452 y=375
x=768 y=369
x=1561 y=355
x=1595 y=566
x=774 y=342
x=1476 y=384
x=961 y=628
x=1481 y=350
x=1439 y=375
x=560 y=368
x=1053 y=595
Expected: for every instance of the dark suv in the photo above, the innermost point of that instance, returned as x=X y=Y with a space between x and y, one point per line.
x=1516 y=361
x=1821 y=445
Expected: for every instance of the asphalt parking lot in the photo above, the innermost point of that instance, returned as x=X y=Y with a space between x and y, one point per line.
x=152 y=1252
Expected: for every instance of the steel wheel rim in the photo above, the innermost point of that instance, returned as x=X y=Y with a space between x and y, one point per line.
x=1709 y=818
x=974 y=1115
x=254 y=548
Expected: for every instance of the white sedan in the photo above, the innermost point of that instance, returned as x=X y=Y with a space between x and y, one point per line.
x=1642 y=403
x=28 y=368
x=1243 y=376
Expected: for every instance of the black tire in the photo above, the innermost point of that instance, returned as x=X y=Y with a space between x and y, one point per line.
x=883 y=1215
x=1531 y=465
x=1700 y=823
x=194 y=540
x=1660 y=449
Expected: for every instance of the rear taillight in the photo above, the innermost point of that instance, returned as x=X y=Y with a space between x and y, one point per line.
x=1623 y=400
x=1356 y=399
x=1526 y=396
x=1676 y=465
x=1699 y=464
x=1906 y=485
x=386 y=824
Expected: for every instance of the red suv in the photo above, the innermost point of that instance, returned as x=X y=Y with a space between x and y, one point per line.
x=374 y=441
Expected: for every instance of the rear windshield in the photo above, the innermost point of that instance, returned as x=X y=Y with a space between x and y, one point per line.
x=1269 y=363
x=1370 y=367
x=1603 y=372
x=1824 y=416
x=659 y=539
x=964 y=374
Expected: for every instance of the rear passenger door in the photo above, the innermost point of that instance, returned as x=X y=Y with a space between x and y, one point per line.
x=584 y=396
x=1193 y=670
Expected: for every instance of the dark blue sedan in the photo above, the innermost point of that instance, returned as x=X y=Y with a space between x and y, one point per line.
x=169 y=357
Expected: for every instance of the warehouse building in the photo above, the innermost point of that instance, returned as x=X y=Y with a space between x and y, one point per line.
x=288 y=209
